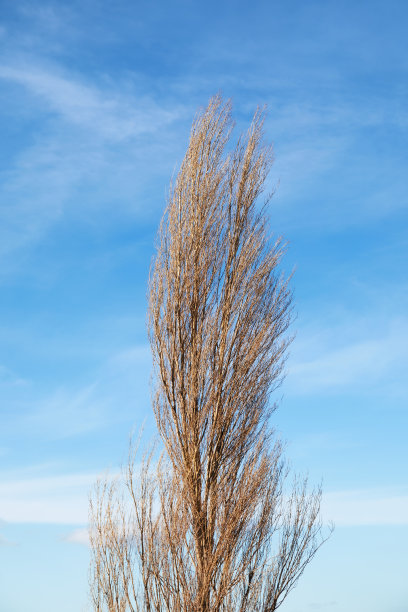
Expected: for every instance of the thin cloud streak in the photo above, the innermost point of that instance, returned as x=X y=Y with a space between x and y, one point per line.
x=108 y=113
x=85 y=130
x=78 y=536
x=367 y=362
x=112 y=396
x=61 y=499
x=365 y=507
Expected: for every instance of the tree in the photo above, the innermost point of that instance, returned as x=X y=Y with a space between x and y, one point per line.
x=211 y=528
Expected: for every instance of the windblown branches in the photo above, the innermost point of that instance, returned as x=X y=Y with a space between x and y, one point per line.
x=212 y=528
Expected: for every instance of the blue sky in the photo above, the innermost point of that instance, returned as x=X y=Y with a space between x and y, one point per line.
x=97 y=99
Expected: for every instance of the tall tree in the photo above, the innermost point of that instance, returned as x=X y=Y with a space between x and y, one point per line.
x=212 y=529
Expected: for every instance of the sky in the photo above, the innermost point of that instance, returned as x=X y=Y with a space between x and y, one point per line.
x=97 y=100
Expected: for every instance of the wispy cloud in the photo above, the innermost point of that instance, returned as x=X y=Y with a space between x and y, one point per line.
x=108 y=112
x=118 y=391
x=366 y=507
x=78 y=536
x=61 y=499
x=366 y=362
x=101 y=138
x=68 y=413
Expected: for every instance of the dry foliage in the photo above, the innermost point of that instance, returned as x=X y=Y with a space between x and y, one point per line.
x=210 y=528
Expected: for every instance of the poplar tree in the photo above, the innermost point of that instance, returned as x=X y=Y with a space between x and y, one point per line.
x=214 y=525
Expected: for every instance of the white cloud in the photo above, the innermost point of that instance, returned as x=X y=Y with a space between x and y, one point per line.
x=365 y=362
x=366 y=507
x=118 y=392
x=68 y=412
x=342 y=367
x=78 y=536
x=92 y=147
x=61 y=499
x=131 y=358
x=107 y=112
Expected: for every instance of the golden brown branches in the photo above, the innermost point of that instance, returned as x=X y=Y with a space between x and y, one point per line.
x=212 y=529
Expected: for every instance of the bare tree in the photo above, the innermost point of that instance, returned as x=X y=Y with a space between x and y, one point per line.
x=212 y=529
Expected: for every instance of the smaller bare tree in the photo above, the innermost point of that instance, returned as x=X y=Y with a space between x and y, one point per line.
x=142 y=552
